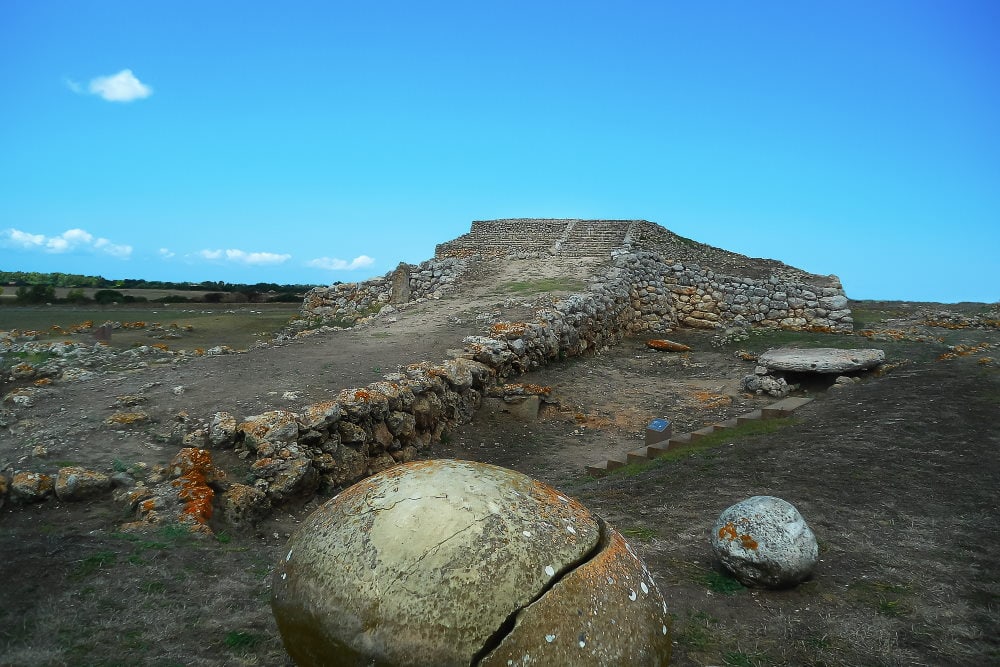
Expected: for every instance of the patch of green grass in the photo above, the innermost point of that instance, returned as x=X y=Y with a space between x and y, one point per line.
x=242 y=641
x=696 y=632
x=542 y=285
x=719 y=582
x=98 y=561
x=888 y=599
x=699 y=447
x=641 y=534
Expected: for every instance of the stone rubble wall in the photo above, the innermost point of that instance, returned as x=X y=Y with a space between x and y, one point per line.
x=348 y=302
x=336 y=443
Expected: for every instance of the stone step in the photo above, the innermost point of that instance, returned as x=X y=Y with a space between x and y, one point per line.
x=602 y=469
x=729 y=423
x=679 y=440
x=784 y=407
x=749 y=417
x=702 y=432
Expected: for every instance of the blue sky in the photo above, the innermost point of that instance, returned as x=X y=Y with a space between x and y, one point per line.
x=308 y=142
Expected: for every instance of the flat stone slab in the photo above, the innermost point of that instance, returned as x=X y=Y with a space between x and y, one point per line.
x=820 y=359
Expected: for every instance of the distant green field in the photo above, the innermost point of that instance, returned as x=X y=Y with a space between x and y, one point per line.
x=198 y=325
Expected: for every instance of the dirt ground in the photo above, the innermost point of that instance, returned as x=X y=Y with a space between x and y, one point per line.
x=897 y=475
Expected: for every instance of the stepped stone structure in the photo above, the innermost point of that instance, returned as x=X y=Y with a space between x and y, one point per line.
x=652 y=280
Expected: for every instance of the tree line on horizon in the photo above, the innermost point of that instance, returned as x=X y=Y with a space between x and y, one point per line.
x=34 y=287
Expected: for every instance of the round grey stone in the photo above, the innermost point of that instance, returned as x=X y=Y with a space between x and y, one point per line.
x=764 y=541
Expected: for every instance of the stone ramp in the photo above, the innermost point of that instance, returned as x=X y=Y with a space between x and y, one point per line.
x=646 y=453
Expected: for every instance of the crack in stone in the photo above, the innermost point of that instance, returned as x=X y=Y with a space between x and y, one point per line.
x=510 y=622
x=405 y=575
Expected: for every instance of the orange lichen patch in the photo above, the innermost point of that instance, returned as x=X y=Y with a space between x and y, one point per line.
x=525 y=389
x=160 y=346
x=947 y=324
x=199 y=351
x=127 y=418
x=56 y=328
x=746 y=356
x=813 y=328
x=983 y=361
x=356 y=396
x=196 y=470
x=508 y=329
x=710 y=399
x=667 y=346
x=43 y=382
x=728 y=532
x=964 y=351
x=134 y=325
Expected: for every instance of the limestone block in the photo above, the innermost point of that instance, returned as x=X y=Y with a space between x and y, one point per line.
x=243 y=506
x=222 y=429
x=821 y=359
x=764 y=541
x=426 y=562
x=30 y=487
x=276 y=426
x=74 y=483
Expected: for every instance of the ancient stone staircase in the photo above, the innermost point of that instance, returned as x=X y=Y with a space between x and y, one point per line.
x=591 y=238
x=646 y=453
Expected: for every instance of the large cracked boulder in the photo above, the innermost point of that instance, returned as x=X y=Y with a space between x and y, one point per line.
x=764 y=541
x=820 y=360
x=458 y=563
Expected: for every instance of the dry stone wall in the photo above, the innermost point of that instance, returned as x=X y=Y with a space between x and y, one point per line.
x=365 y=430
x=654 y=280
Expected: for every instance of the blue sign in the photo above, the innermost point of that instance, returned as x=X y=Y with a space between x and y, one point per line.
x=658 y=425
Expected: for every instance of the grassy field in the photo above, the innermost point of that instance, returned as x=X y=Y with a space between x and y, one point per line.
x=178 y=326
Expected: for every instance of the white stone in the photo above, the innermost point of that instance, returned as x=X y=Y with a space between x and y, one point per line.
x=764 y=541
x=821 y=359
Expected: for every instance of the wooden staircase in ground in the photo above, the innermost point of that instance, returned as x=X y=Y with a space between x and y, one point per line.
x=782 y=408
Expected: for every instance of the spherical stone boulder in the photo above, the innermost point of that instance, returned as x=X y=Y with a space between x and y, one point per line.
x=764 y=541
x=457 y=563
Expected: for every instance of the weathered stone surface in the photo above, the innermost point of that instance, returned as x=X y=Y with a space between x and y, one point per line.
x=667 y=345
x=422 y=563
x=74 y=483
x=274 y=426
x=821 y=359
x=243 y=506
x=4 y=489
x=764 y=541
x=30 y=487
x=319 y=416
x=222 y=429
x=608 y=611
x=766 y=384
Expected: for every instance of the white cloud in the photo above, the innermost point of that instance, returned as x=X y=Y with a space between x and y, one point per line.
x=24 y=239
x=166 y=253
x=69 y=241
x=334 y=264
x=120 y=87
x=243 y=257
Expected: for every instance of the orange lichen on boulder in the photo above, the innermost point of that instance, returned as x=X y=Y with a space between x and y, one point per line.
x=728 y=532
x=664 y=345
x=196 y=471
x=508 y=329
x=126 y=418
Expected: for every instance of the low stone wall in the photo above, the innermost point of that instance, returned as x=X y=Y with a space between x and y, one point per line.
x=345 y=303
